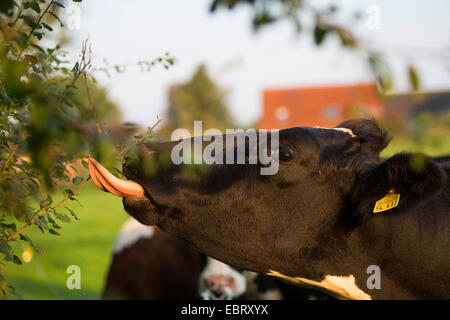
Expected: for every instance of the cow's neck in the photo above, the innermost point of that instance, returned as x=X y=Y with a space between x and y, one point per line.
x=404 y=247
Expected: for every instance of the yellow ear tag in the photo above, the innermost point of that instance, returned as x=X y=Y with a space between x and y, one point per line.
x=389 y=201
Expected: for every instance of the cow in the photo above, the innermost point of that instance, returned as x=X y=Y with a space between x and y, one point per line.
x=149 y=264
x=220 y=281
x=322 y=221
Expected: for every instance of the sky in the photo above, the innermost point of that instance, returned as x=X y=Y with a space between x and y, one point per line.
x=244 y=62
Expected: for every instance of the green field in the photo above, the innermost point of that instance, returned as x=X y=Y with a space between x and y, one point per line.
x=86 y=243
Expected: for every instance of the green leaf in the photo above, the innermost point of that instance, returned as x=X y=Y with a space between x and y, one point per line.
x=413 y=78
x=63 y=217
x=319 y=34
x=76 y=0
x=53 y=222
x=76 y=68
x=72 y=213
x=25 y=238
x=6 y=6
x=57 y=18
x=30 y=59
x=37 y=47
x=16 y=259
x=46 y=26
x=77 y=180
x=37 y=34
x=58 y=4
x=22 y=39
x=33 y=5
x=56 y=233
x=10 y=226
x=116 y=172
x=5 y=249
x=68 y=193
x=28 y=21
x=38 y=250
x=46 y=202
x=85 y=163
x=18 y=295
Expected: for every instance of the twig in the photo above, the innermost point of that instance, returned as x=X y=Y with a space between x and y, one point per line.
x=85 y=63
x=52 y=209
x=98 y=126
x=120 y=154
x=7 y=160
x=166 y=61
x=4 y=292
x=34 y=27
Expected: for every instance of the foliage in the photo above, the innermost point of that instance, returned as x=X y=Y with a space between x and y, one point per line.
x=321 y=23
x=46 y=106
x=107 y=111
x=427 y=133
x=84 y=244
x=198 y=99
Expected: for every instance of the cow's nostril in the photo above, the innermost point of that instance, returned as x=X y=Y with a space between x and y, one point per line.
x=217 y=293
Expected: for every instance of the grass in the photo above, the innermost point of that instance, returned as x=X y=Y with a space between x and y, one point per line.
x=434 y=146
x=86 y=243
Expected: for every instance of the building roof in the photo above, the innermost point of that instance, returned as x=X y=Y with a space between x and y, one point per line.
x=324 y=106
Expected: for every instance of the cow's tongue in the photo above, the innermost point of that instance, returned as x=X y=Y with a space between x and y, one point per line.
x=107 y=182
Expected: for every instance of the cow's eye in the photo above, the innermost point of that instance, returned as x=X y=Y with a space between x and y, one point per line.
x=285 y=154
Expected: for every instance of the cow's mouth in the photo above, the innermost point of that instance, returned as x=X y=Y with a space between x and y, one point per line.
x=106 y=181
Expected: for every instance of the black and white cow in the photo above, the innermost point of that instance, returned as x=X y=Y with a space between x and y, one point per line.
x=149 y=264
x=312 y=223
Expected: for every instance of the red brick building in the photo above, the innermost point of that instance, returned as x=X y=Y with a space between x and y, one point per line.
x=319 y=106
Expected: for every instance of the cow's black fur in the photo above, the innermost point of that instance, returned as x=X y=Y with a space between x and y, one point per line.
x=314 y=217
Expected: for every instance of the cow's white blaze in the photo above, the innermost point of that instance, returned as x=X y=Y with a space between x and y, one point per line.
x=131 y=231
x=346 y=130
x=341 y=287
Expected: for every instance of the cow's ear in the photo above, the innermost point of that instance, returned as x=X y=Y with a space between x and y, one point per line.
x=367 y=135
x=409 y=178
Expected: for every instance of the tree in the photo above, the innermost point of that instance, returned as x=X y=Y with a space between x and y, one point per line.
x=198 y=99
x=45 y=104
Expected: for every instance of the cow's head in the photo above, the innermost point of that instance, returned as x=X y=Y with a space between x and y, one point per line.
x=219 y=281
x=327 y=183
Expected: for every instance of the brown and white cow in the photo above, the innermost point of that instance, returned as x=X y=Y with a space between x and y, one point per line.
x=148 y=264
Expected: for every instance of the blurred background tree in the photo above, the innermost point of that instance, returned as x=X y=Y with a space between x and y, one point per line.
x=200 y=98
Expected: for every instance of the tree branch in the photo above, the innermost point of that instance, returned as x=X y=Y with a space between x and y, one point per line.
x=7 y=160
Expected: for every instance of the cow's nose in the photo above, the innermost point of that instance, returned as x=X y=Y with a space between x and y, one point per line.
x=219 y=284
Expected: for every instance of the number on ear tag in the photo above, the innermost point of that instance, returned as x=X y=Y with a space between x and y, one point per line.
x=389 y=201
